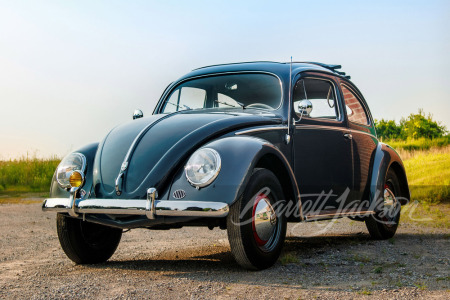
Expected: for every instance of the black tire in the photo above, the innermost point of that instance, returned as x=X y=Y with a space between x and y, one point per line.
x=86 y=242
x=383 y=224
x=248 y=249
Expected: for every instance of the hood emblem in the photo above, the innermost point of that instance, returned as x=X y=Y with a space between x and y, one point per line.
x=124 y=166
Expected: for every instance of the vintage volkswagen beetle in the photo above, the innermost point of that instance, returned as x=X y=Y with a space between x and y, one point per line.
x=245 y=147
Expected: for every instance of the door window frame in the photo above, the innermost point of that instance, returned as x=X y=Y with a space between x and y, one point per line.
x=340 y=121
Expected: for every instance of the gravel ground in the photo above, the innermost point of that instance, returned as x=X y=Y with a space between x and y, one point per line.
x=321 y=260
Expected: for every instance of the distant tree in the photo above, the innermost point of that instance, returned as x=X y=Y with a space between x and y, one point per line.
x=388 y=129
x=418 y=126
x=413 y=127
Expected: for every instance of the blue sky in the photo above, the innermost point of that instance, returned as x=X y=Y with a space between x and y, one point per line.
x=72 y=70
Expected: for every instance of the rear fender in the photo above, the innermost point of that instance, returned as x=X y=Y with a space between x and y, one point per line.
x=387 y=158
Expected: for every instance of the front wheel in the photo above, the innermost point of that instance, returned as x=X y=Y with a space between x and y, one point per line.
x=86 y=242
x=383 y=224
x=256 y=225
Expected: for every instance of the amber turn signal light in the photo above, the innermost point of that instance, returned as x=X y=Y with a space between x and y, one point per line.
x=76 y=179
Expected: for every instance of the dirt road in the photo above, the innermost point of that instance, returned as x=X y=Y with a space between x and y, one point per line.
x=342 y=262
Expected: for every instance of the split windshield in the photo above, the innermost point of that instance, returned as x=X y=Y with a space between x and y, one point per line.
x=236 y=90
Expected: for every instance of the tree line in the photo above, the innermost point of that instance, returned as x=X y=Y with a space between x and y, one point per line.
x=414 y=126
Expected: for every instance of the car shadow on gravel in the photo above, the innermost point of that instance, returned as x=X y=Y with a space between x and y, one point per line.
x=306 y=244
x=222 y=260
x=310 y=270
x=219 y=261
x=344 y=242
x=184 y=261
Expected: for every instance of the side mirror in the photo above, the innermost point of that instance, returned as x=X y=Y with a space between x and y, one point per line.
x=305 y=107
x=137 y=114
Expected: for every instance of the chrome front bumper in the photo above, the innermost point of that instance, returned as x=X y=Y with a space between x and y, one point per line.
x=149 y=207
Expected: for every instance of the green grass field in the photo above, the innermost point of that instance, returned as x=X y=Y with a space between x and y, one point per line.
x=419 y=144
x=429 y=175
x=26 y=175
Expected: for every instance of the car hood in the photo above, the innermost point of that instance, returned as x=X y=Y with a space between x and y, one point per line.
x=153 y=148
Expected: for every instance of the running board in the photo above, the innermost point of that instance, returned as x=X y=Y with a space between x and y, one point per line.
x=327 y=215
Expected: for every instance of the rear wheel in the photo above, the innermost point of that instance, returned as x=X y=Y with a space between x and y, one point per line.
x=86 y=242
x=383 y=224
x=256 y=227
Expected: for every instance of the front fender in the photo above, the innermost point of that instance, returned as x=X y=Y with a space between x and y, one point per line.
x=240 y=155
x=386 y=158
x=89 y=152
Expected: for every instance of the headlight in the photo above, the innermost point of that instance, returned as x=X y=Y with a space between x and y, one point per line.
x=203 y=167
x=70 y=163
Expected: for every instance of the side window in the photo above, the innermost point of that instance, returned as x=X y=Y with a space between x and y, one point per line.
x=171 y=105
x=355 y=110
x=192 y=97
x=188 y=98
x=322 y=96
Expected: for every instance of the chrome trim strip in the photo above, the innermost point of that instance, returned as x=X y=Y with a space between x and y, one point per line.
x=335 y=128
x=343 y=214
x=363 y=132
x=261 y=129
x=138 y=207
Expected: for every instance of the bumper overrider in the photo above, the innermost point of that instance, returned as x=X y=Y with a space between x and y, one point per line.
x=149 y=207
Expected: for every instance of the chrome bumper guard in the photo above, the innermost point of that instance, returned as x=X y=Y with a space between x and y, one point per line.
x=149 y=207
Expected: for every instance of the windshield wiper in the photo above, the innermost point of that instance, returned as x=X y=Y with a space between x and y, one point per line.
x=179 y=106
x=226 y=103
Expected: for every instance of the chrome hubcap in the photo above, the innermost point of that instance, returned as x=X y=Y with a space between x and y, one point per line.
x=389 y=199
x=264 y=220
x=390 y=207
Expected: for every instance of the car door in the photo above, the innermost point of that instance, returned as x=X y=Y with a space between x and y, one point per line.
x=322 y=148
x=364 y=141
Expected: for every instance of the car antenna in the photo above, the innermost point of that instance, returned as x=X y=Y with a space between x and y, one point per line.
x=288 y=135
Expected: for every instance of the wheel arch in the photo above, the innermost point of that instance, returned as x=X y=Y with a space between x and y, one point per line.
x=240 y=155
x=387 y=158
x=276 y=165
x=403 y=181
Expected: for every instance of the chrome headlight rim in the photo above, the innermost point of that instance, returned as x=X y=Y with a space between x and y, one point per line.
x=218 y=160
x=82 y=170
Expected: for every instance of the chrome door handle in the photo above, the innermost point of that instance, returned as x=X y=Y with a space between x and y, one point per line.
x=348 y=136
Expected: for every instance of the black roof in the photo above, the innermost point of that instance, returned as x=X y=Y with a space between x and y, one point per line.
x=276 y=67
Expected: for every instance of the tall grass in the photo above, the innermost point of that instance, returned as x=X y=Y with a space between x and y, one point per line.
x=27 y=174
x=428 y=174
x=419 y=144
